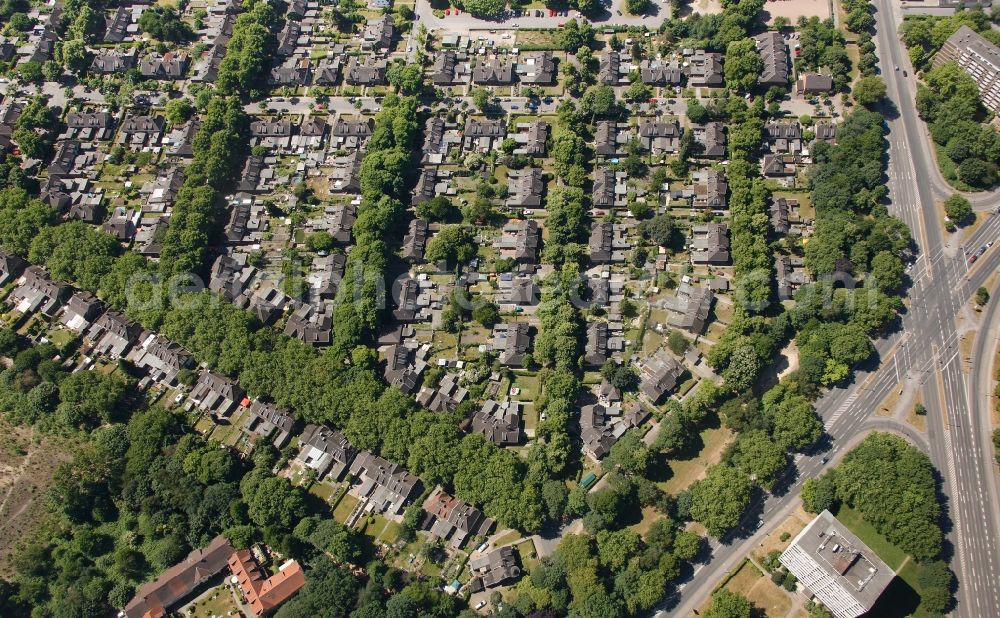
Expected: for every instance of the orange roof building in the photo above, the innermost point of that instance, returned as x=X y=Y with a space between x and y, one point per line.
x=262 y=594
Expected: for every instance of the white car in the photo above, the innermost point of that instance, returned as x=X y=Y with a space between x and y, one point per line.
x=480 y=605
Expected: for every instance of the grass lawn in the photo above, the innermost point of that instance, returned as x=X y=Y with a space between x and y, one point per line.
x=528 y=386
x=344 y=507
x=529 y=557
x=506 y=539
x=216 y=602
x=61 y=338
x=889 y=553
x=684 y=472
x=322 y=491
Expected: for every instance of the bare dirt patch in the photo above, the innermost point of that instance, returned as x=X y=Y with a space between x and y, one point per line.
x=793 y=9
x=28 y=460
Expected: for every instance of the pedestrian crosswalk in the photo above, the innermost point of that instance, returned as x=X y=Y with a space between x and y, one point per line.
x=840 y=411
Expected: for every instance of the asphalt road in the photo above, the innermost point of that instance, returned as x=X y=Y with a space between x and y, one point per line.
x=924 y=349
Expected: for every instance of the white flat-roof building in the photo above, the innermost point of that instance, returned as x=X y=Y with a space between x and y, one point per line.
x=842 y=572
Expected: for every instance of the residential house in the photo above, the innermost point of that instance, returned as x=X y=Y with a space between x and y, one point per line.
x=111 y=61
x=80 y=311
x=656 y=72
x=435 y=146
x=288 y=38
x=610 y=71
x=113 y=335
x=272 y=134
x=64 y=161
x=266 y=421
x=399 y=371
x=531 y=138
x=292 y=75
x=779 y=210
x=454 y=520
x=611 y=138
x=181 y=139
x=140 y=131
x=11 y=267
x=660 y=137
x=309 y=325
x=378 y=34
x=495 y=568
x=784 y=137
x=710 y=244
x=778 y=165
x=705 y=69
x=312 y=131
x=117 y=27
x=537 y=69
x=826 y=131
x=596 y=432
x=217 y=394
x=520 y=240
x=605 y=184
x=327 y=72
x=170 y=65
x=658 y=375
x=123 y=223
x=161 y=358
x=351 y=134
x=367 y=72
x=483 y=135
x=710 y=139
x=346 y=174
x=595 y=352
x=159 y=194
x=710 y=190
x=525 y=189
x=494 y=72
x=89 y=126
x=516 y=341
x=813 y=83
x=387 y=486
x=326 y=451
x=415 y=241
x=788 y=277
x=689 y=308
x=519 y=292
x=405 y=295
x=774 y=55
x=446 y=69
x=36 y=292
x=500 y=423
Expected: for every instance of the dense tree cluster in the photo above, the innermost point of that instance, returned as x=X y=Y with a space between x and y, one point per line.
x=954 y=113
x=199 y=210
x=748 y=198
x=893 y=485
x=37 y=128
x=615 y=573
x=852 y=226
x=823 y=45
x=165 y=24
x=249 y=51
